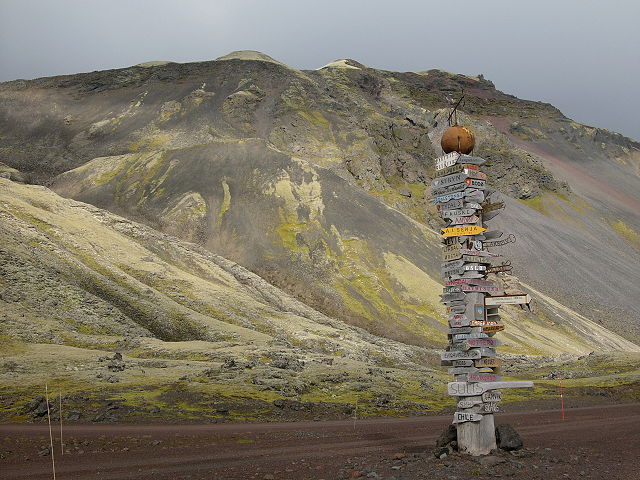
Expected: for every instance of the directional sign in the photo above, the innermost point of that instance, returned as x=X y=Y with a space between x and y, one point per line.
x=454 y=289
x=491 y=397
x=492 y=328
x=474 y=267
x=453 y=255
x=474 y=183
x=508 y=300
x=447 y=160
x=472 y=160
x=449 y=180
x=468 y=403
x=475 y=259
x=463 y=370
x=503 y=267
x=453 y=204
x=452 y=296
x=462 y=363
x=490 y=408
x=456 y=331
x=482 y=377
x=479 y=253
x=464 y=220
x=448 y=197
x=461 y=417
x=483 y=323
x=464 y=389
x=455 y=168
x=482 y=342
x=463 y=230
x=475 y=173
x=479 y=288
x=474 y=205
x=461 y=212
x=497 y=243
x=467 y=336
x=488 y=362
x=474 y=195
x=456 y=309
x=453 y=264
x=460 y=355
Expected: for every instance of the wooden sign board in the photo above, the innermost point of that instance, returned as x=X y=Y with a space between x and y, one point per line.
x=452 y=264
x=448 y=197
x=482 y=377
x=497 y=243
x=461 y=417
x=449 y=180
x=490 y=408
x=471 y=159
x=468 y=403
x=456 y=309
x=491 y=397
x=483 y=323
x=467 y=336
x=447 y=160
x=474 y=195
x=462 y=231
x=462 y=355
x=462 y=363
x=451 y=204
x=454 y=255
x=504 y=267
x=464 y=220
x=479 y=288
x=459 y=212
x=475 y=173
x=475 y=259
x=464 y=389
x=479 y=253
x=508 y=300
x=492 y=328
x=452 y=296
x=487 y=362
x=474 y=183
x=453 y=289
x=482 y=342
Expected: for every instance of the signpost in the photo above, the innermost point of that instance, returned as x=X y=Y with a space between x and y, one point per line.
x=462 y=197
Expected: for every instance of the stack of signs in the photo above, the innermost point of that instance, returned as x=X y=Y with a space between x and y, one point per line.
x=463 y=200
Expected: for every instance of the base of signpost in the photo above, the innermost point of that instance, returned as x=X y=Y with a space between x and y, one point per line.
x=477 y=438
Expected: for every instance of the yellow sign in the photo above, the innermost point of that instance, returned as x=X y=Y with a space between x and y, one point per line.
x=462 y=230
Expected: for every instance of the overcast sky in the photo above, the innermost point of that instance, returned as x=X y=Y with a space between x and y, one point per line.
x=583 y=56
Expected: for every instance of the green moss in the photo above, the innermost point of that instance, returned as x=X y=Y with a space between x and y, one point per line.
x=535 y=203
x=626 y=232
x=226 y=202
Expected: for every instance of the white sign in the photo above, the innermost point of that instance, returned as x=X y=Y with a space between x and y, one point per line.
x=447 y=160
x=461 y=417
x=508 y=300
x=464 y=389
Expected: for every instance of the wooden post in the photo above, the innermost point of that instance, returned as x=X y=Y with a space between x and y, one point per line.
x=459 y=191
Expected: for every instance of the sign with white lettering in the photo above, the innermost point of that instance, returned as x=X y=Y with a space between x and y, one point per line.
x=461 y=355
x=508 y=300
x=462 y=363
x=490 y=408
x=491 y=397
x=468 y=403
x=447 y=160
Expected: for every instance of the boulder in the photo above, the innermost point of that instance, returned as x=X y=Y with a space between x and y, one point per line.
x=507 y=438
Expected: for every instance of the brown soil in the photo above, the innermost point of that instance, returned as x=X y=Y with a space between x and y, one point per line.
x=593 y=442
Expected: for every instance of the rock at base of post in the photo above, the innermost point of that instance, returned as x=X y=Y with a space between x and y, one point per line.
x=477 y=438
x=507 y=437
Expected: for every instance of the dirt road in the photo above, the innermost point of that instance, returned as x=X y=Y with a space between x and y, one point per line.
x=594 y=442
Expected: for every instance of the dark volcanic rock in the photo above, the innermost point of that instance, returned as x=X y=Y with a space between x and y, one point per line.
x=507 y=438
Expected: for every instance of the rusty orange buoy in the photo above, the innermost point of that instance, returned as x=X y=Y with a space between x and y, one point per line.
x=457 y=139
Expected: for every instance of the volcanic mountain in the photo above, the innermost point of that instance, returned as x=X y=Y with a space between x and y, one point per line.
x=246 y=202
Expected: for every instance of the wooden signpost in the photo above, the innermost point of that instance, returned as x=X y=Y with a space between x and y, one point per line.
x=463 y=197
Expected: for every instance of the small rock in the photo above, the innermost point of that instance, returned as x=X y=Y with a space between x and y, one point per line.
x=356 y=474
x=396 y=467
x=491 y=461
x=399 y=456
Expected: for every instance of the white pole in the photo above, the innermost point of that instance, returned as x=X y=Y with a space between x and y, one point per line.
x=53 y=461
